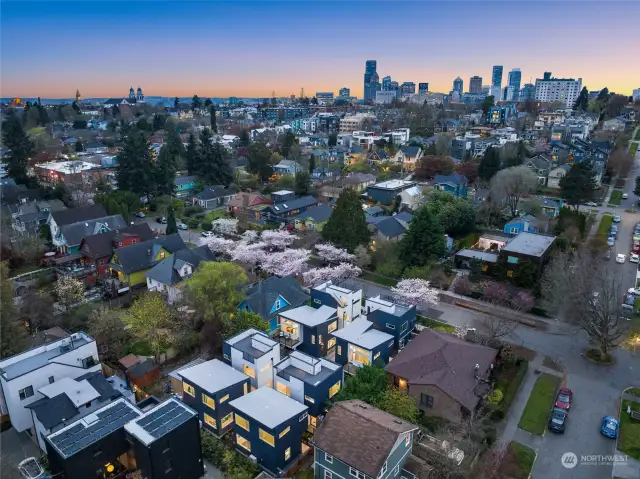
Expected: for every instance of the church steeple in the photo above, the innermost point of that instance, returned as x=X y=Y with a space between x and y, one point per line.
x=78 y=96
x=132 y=95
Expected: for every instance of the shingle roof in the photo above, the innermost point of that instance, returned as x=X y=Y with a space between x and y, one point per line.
x=539 y=162
x=212 y=192
x=74 y=233
x=411 y=151
x=140 y=256
x=75 y=215
x=261 y=296
x=294 y=204
x=452 y=179
x=390 y=227
x=102 y=245
x=443 y=360
x=166 y=271
x=360 y=435
x=318 y=213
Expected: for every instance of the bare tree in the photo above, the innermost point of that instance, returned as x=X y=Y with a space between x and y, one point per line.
x=510 y=184
x=620 y=163
x=443 y=144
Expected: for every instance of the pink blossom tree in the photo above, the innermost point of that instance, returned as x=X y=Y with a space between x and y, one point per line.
x=494 y=292
x=415 y=291
x=249 y=254
x=335 y=273
x=227 y=226
x=523 y=301
x=285 y=263
x=249 y=236
x=462 y=285
x=217 y=244
x=277 y=239
x=332 y=254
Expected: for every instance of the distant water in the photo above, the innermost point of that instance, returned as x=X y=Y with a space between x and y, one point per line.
x=165 y=100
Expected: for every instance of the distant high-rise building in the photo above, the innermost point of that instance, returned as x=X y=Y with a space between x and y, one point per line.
x=528 y=92
x=458 y=85
x=345 y=92
x=496 y=76
x=370 y=80
x=393 y=86
x=475 y=85
x=515 y=77
x=636 y=94
x=565 y=90
x=508 y=93
x=385 y=83
x=423 y=88
x=486 y=90
x=407 y=89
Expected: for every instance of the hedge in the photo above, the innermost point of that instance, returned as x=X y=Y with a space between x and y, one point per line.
x=510 y=390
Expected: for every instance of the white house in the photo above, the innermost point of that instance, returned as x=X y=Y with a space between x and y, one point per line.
x=253 y=353
x=22 y=375
x=411 y=198
x=556 y=174
x=348 y=302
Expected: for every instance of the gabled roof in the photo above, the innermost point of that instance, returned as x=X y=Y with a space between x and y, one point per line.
x=139 y=257
x=539 y=162
x=374 y=210
x=74 y=233
x=521 y=219
x=445 y=361
x=185 y=180
x=411 y=151
x=167 y=270
x=75 y=215
x=213 y=192
x=102 y=245
x=318 y=213
x=360 y=435
x=390 y=227
x=453 y=179
x=293 y=204
x=288 y=164
x=261 y=296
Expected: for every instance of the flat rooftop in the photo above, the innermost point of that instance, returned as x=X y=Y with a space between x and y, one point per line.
x=35 y=358
x=158 y=421
x=213 y=376
x=360 y=333
x=268 y=406
x=67 y=167
x=529 y=244
x=393 y=184
x=311 y=317
x=479 y=255
x=246 y=345
x=288 y=366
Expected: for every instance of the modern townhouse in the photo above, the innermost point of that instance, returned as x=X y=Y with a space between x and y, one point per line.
x=310 y=381
x=268 y=428
x=347 y=302
x=359 y=344
x=308 y=329
x=254 y=353
x=208 y=388
x=392 y=318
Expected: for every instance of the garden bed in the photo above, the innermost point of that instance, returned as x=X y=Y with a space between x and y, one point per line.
x=629 y=437
x=536 y=412
x=435 y=324
x=518 y=461
x=509 y=380
x=595 y=356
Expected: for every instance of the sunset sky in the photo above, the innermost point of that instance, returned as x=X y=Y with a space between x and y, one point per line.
x=249 y=49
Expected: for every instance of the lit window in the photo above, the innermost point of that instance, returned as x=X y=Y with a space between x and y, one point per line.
x=333 y=390
x=376 y=356
x=303 y=417
x=309 y=399
x=228 y=419
x=339 y=350
x=287 y=454
x=266 y=437
x=283 y=388
x=284 y=432
x=244 y=388
x=248 y=371
x=224 y=398
x=189 y=389
x=210 y=421
x=313 y=339
x=208 y=401
x=161 y=254
x=243 y=443
x=265 y=367
x=242 y=422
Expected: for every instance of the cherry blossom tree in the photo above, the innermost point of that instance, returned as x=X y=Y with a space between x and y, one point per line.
x=69 y=291
x=218 y=245
x=249 y=236
x=336 y=273
x=285 y=263
x=496 y=293
x=332 y=254
x=228 y=226
x=277 y=239
x=523 y=301
x=415 y=291
x=250 y=254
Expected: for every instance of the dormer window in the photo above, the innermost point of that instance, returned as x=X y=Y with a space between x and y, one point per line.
x=278 y=304
x=161 y=254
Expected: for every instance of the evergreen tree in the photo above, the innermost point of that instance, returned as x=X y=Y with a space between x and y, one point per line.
x=176 y=102
x=20 y=149
x=258 y=158
x=312 y=163
x=423 y=241
x=76 y=107
x=582 y=102
x=165 y=172
x=245 y=140
x=287 y=143
x=172 y=227
x=578 y=185
x=302 y=183
x=43 y=115
x=489 y=164
x=212 y=161
x=208 y=103
x=79 y=146
x=333 y=139
x=135 y=170
x=487 y=104
x=191 y=155
x=347 y=227
x=214 y=124
x=196 y=103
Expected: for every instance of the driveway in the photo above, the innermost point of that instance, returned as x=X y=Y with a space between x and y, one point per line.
x=15 y=447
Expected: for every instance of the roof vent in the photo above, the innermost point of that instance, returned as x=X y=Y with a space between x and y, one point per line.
x=149 y=252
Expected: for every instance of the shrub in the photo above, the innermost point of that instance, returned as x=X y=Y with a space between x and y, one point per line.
x=463 y=286
x=495 y=292
x=495 y=397
x=523 y=301
x=206 y=226
x=512 y=388
x=193 y=223
x=391 y=268
x=507 y=355
x=421 y=272
x=212 y=449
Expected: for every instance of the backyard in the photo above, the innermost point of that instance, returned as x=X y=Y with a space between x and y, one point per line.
x=536 y=412
x=629 y=440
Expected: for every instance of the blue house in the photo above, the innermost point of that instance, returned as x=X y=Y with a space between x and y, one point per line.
x=185 y=186
x=271 y=296
x=361 y=441
x=323 y=173
x=253 y=353
x=208 y=388
x=310 y=381
x=359 y=344
x=551 y=206
x=308 y=329
x=268 y=428
x=395 y=319
x=387 y=191
x=455 y=184
x=523 y=223
x=287 y=167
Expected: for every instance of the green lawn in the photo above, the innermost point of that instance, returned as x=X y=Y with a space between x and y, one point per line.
x=637 y=138
x=522 y=463
x=214 y=215
x=374 y=278
x=437 y=325
x=616 y=197
x=605 y=226
x=536 y=412
x=629 y=440
x=633 y=148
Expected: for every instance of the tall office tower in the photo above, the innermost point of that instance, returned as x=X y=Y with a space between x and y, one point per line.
x=423 y=88
x=369 y=72
x=393 y=86
x=345 y=92
x=458 y=85
x=475 y=84
x=528 y=92
x=385 y=82
x=515 y=77
x=496 y=76
x=407 y=89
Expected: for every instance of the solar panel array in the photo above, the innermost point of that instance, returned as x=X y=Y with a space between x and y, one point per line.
x=78 y=437
x=164 y=419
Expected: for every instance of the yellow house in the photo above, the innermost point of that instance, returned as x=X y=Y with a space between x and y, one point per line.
x=130 y=264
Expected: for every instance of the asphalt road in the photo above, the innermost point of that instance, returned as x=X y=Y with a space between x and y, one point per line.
x=189 y=236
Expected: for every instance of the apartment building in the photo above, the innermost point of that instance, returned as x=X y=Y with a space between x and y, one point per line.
x=253 y=353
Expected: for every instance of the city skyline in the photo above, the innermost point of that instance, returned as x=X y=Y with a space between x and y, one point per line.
x=103 y=49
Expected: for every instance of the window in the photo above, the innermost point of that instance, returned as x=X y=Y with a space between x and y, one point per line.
x=407 y=439
x=390 y=326
x=208 y=401
x=376 y=356
x=120 y=244
x=384 y=469
x=284 y=432
x=88 y=362
x=242 y=422
x=265 y=367
x=51 y=380
x=228 y=419
x=320 y=340
x=355 y=473
x=133 y=241
x=244 y=388
x=227 y=357
x=405 y=325
x=223 y=398
x=189 y=389
x=161 y=254
x=266 y=437
x=278 y=305
x=248 y=371
x=88 y=405
x=243 y=443
x=339 y=350
x=309 y=399
x=283 y=388
x=426 y=400
x=317 y=301
x=287 y=454
x=328 y=458
x=25 y=393
x=313 y=339
x=167 y=465
x=210 y=421
x=303 y=417
x=396 y=470
x=333 y=390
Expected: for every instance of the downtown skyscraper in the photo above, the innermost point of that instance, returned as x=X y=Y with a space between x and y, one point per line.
x=475 y=85
x=458 y=85
x=496 y=76
x=371 y=80
x=515 y=78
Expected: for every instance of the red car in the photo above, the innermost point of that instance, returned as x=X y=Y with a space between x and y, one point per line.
x=563 y=401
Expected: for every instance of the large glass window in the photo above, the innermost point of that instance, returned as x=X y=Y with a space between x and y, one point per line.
x=243 y=443
x=242 y=422
x=333 y=390
x=189 y=389
x=208 y=401
x=283 y=388
x=228 y=419
x=248 y=371
x=210 y=421
x=266 y=437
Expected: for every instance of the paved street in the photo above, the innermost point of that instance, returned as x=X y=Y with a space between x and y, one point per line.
x=189 y=236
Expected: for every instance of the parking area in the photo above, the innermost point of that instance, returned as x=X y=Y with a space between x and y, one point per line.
x=14 y=448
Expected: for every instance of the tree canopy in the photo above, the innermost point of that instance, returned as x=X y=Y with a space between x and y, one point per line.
x=241 y=321
x=258 y=159
x=212 y=161
x=424 y=240
x=149 y=319
x=347 y=227
x=457 y=215
x=490 y=164
x=578 y=185
x=13 y=337
x=510 y=184
x=135 y=169
x=20 y=149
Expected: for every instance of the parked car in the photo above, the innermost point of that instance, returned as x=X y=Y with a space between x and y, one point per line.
x=611 y=241
x=139 y=214
x=591 y=203
x=558 y=420
x=634 y=291
x=621 y=258
x=609 y=427
x=564 y=398
x=634 y=258
x=207 y=234
x=616 y=219
x=613 y=232
x=182 y=226
x=625 y=196
x=162 y=220
x=607 y=255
